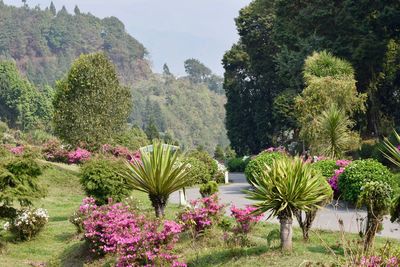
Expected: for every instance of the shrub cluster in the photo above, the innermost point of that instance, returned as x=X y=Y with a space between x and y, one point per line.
x=136 y=240
x=208 y=189
x=54 y=151
x=358 y=173
x=201 y=215
x=103 y=179
x=199 y=173
x=327 y=167
x=28 y=223
x=79 y=155
x=237 y=164
x=257 y=165
x=204 y=157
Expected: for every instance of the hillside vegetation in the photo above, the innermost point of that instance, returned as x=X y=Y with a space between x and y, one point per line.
x=45 y=42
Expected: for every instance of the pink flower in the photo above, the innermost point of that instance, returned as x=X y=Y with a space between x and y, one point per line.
x=245 y=219
x=78 y=156
x=19 y=150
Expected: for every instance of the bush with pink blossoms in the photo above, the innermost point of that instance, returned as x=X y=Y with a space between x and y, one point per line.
x=79 y=216
x=334 y=180
x=136 y=240
x=376 y=261
x=80 y=155
x=54 y=151
x=18 y=151
x=202 y=214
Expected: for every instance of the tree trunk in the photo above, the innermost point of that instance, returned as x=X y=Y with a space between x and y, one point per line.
x=286 y=233
x=305 y=224
x=373 y=222
x=159 y=203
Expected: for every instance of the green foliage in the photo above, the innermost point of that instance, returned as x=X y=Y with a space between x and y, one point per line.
x=188 y=112
x=19 y=181
x=21 y=104
x=37 y=137
x=237 y=164
x=333 y=136
x=358 y=173
x=208 y=189
x=198 y=171
x=3 y=129
x=204 y=157
x=196 y=70
x=260 y=164
x=101 y=179
x=392 y=151
x=219 y=153
x=219 y=177
x=336 y=88
x=90 y=104
x=327 y=167
x=159 y=174
x=151 y=130
x=376 y=196
x=133 y=138
x=287 y=186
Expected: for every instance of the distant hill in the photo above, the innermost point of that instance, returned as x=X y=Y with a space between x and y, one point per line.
x=45 y=42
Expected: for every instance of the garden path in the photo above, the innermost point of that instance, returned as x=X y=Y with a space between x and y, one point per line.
x=327 y=218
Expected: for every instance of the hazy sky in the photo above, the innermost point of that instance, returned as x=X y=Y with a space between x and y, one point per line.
x=171 y=30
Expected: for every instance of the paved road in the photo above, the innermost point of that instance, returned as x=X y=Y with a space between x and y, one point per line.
x=327 y=218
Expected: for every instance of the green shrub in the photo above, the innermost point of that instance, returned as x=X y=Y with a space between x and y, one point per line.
x=19 y=181
x=3 y=129
x=219 y=177
x=198 y=172
x=37 y=137
x=102 y=179
x=203 y=156
x=28 y=223
x=133 y=139
x=237 y=164
x=257 y=164
x=208 y=189
x=327 y=167
x=358 y=173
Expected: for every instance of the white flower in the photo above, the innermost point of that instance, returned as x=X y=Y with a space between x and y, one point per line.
x=6 y=226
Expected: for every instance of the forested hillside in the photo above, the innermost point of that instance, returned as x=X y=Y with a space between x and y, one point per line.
x=44 y=43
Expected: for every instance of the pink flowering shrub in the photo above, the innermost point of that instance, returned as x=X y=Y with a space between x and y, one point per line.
x=79 y=216
x=136 y=240
x=54 y=151
x=121 y=152
x=202 y=214
x=376 y=261
x=334 y=180
x=78 y=156
x=244 y=218
x=19 y=150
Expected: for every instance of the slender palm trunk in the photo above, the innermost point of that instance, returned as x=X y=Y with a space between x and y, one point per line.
x=158 y=203
x=286 y=232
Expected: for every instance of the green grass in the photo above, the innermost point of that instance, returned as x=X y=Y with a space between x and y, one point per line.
x=59 y=245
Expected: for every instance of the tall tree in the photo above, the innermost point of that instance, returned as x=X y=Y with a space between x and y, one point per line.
x=196 y=70
x=53 y=8
x=90 y=104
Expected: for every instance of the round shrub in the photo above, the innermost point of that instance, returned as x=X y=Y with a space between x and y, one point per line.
x=327 y=167
x=358 y=173
x=198 y=171
x=28 y=223
x=257 y=164
x=203 y=156
x=208 y=189
x=101 y=179
x=237 y=164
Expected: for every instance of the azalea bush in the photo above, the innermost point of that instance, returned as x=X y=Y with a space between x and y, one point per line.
x=54 y=151
x=79 y=216
x=28 y=223
x=135 y=239
x=79 y=155
x=245 y=220
x=201 y=215
x=334 y=180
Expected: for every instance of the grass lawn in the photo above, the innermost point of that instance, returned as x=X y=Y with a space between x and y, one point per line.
x=58 y=245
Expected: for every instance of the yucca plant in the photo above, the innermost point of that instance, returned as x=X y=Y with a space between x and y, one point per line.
x=159 y=173
x=333 y=135
x=391 y=151
x=288 y=186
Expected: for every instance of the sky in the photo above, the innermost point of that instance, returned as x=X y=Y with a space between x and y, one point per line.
x=171 y=30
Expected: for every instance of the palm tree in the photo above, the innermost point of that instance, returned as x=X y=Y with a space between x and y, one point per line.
x=159 y=173
x=333 y=134
x=392 y=152
x=288 y=186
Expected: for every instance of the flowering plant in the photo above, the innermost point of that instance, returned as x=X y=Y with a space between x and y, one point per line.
x=54 y=151
x=136 y=240
x=334 y=180
x=78 y=156
x=79 y=216
x=244 y=218
x=376 y=261
x=19 y=150
x=28 y=223
x=202 y=214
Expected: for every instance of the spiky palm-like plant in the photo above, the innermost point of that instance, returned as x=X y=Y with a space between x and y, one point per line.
x=391 y=151
x=159 y=173
x=333 y=134
x=288 y=186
